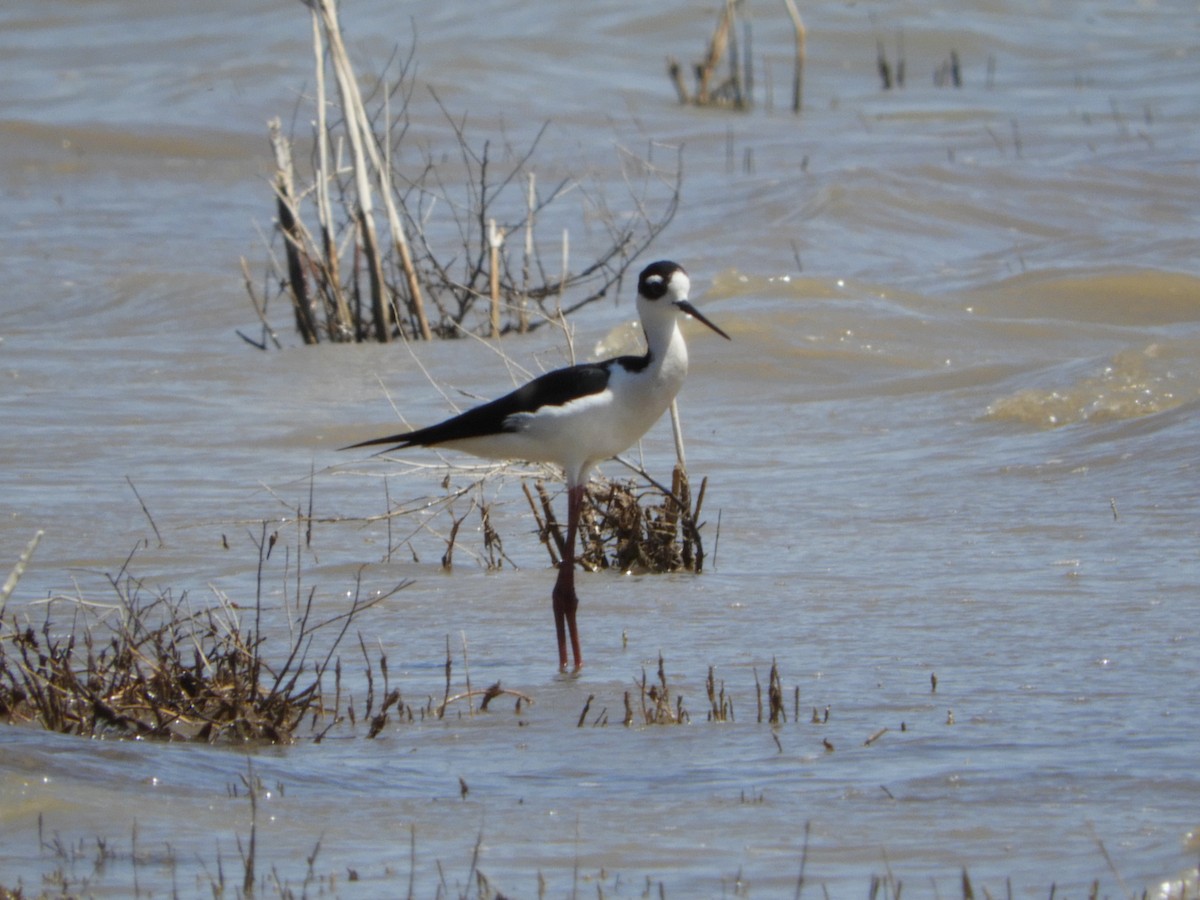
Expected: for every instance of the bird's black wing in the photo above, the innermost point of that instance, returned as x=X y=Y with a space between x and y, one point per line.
x=555 y=388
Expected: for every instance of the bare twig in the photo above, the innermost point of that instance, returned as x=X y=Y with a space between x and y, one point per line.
x=801 y=56
x=14 y=576
x=149 y=517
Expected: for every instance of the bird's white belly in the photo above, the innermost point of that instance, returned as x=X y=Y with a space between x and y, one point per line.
x=593 y=428
x=579 y=434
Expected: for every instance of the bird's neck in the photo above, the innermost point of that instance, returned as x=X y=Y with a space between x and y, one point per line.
x=667 y=350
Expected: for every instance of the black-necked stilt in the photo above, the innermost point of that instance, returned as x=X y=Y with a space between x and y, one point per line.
x=577 y=416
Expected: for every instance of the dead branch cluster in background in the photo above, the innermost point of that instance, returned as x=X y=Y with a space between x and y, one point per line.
x=375 y=250
x=736 y=89
x=947 y=73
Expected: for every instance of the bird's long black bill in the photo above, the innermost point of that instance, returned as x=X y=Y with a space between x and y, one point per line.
x=695 y=314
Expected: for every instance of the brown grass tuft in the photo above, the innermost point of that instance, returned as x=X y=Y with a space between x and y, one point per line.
x=149 y=665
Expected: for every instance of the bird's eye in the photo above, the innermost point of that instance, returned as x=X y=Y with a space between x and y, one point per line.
x=653 y=287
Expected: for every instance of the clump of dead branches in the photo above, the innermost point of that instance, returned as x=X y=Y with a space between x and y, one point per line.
x=656 y=703
x=374 y=250
x=150 y=665
x=630 y=525
x=736 y=89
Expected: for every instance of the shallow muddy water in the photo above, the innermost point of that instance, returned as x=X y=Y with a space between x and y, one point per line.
x=955 y=435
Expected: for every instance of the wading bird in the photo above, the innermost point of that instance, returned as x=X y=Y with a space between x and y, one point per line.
x=577 y=416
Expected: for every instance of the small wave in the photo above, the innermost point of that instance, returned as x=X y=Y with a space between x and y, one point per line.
x=1134 y=383
x=1119 y=297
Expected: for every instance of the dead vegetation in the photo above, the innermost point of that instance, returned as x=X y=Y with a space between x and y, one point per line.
x=634 y=525
x=629 y=525
x=147 y=664
x=733 y=51
x=158 y=665
x=947 y=73
x=152 y=665
x=97 y=866
x=374 y=249
x=658 y=703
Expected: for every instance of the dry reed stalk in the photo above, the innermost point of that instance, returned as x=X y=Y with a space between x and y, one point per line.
x=466 y=671
x=882 y=65
x=342 y=324
x=706 y=70
x=679 y=501
x=493 y=546
x=551 y=529
x=361 y=144
x=449 y=669
x=675 y=73
x=720 y=706
x=890 y=77
x=268 y=331
x=287 y=211
x=527 y=257
x=656 y=701
x=587 y=704
x=778 y=714
x=662 y=537
x=448 y=556
x=14 y=576
x=800 y=57
x=495 y=241
x=468 y=694
x=562 y=282
x=253 y=785
x=543 y=528
x=876 y=735
x=735 y=90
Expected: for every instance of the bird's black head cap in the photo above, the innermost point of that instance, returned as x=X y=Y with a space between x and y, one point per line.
x=652 y=283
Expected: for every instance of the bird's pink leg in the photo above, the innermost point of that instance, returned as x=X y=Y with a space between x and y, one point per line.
x=566 y=601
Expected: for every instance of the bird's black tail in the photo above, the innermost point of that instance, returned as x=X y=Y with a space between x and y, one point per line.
x=398 y=440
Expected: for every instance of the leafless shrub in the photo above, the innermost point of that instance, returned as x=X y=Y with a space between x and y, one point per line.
x=150 y=665
x=373 y=251
x=630 y=525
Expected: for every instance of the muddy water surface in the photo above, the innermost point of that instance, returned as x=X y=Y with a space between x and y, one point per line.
x=955 y=434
